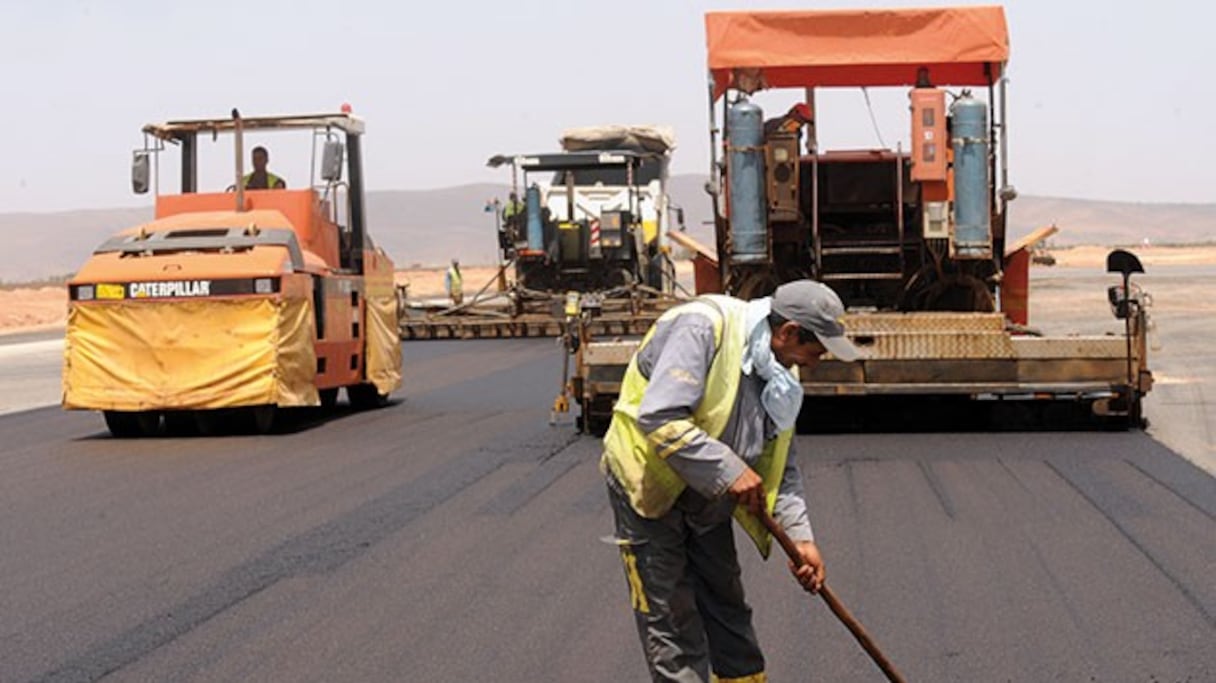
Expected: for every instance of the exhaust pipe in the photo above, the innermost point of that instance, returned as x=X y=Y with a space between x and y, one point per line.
x=239 y=146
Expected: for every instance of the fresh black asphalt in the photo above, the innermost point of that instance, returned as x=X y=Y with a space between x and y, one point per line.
x=456 y=536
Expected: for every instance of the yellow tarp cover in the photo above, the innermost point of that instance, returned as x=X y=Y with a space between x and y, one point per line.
x=383 y=342
x=189 y=354
x=382 y=345
x=875 y=47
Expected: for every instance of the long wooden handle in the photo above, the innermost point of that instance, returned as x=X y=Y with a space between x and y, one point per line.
x=850 y=622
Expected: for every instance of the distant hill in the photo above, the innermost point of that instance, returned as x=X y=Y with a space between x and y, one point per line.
x=39 y=245
x=1083 y=221
x=429 y=227
x=414 y=226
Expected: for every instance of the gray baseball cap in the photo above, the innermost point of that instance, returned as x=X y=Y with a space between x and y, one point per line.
x=817 y=308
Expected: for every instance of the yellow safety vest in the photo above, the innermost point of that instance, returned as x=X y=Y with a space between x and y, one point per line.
x=638 y=460
x=455 y=281
x=271 y=180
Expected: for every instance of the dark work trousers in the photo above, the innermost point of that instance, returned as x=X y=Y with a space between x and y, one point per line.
x=686 y=594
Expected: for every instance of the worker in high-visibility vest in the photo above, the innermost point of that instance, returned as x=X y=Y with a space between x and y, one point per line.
x=512 y=229
x=793 y=121
x=702 y=431
x=512 y=208
x=453 y=283
x=260 y=178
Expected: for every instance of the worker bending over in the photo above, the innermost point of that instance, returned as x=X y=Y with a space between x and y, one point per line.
x=702 y=431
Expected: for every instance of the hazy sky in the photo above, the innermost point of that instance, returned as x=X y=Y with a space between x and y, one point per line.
x=1108 y=100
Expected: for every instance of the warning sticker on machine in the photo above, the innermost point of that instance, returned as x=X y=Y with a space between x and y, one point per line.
x=105 y=291
x=169 y=288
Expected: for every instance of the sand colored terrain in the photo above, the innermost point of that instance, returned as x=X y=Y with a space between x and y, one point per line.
x=425 y=283
x=26 y=310
x=1091 y=256
x=31 y=309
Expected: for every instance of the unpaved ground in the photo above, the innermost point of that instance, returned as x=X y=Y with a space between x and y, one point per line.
x=24 y=310
x=30 y=309
x=425 y=283
x=1094 y=256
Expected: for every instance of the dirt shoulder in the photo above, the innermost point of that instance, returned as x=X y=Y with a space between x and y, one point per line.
x=29 y=310
x=425 y=283
x=34 y=309
x=45 y=308
x=1091 y=256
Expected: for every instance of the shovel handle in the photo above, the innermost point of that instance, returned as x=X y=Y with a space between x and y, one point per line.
x=850 y=622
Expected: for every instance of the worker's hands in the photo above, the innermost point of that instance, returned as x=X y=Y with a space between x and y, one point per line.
x=748 y=491
x=811 y=573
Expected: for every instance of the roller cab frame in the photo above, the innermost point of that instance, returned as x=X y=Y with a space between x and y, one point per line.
x=232 y=302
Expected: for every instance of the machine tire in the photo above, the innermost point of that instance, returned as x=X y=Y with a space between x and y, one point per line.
x=365 y=397
x=597 y=426
x=955 y=292
x=128 y=425
x=753 y=283
x=329 y=397
x=262 y=417
x=596 y=415
x=207 y=422
x=179 y=423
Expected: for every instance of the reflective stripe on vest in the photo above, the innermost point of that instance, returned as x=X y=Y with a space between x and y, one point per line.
x=638 y=460
x=272 y=180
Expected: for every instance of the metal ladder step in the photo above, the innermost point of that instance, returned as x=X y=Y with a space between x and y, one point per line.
x=860 y=251
x=861 y=276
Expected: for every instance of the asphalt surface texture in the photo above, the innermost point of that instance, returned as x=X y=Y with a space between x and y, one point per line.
x=455 y=535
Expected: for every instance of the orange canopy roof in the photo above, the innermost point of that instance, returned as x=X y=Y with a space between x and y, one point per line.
x=796 y=49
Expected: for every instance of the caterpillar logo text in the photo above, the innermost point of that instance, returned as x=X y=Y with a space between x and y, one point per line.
x=172 y=288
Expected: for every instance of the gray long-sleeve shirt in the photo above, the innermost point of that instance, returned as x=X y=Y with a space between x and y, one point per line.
x=676 y=361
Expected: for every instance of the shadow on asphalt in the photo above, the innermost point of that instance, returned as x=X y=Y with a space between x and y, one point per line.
x=238 y=422
x=934 y=414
